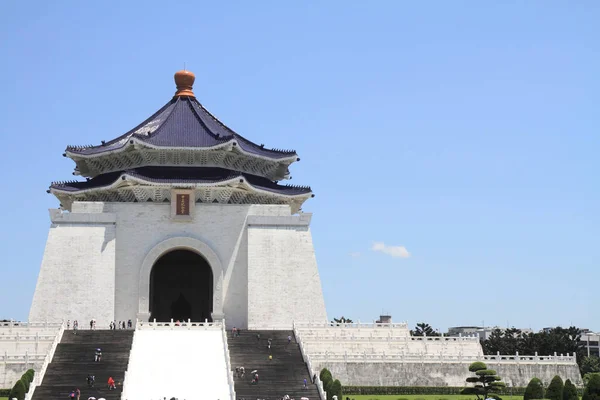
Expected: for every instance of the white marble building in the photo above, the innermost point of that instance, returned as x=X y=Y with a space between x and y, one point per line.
x=180 y=218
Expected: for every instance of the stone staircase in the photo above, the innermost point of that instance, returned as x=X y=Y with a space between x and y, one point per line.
x=73 y=361
x=282 y=375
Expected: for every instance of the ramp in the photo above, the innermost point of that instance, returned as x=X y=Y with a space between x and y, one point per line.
x=186 y=361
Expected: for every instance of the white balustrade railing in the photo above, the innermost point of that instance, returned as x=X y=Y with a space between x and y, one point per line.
x=228 y=363
x=39 y=375
x=177 y=325
x=29 y=325
x=439 y=358
x=407 y=339
x=314 y=374
x=17 y=337
x=354 y=325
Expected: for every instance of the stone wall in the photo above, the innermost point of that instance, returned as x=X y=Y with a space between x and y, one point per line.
x=78 y=269
x=99 y=257
x=11 y=372
x=282 y=273
x=440 y=374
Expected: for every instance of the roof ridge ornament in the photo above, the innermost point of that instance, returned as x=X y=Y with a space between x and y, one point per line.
x=184 y=80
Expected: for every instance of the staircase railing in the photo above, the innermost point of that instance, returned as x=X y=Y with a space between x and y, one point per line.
x=39 y=376
x=228 y=363
x=306 y=358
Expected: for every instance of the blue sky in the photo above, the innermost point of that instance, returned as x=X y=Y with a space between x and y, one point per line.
x=452 y=146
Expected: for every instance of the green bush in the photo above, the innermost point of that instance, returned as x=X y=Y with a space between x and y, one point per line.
x=592 y=390
x=31 y=374
x=555 y=389
x=570 y=391
x=336 y=389
x=534 y=390
x=18 y=391
x=26 y=382
x=325 y=376
x=4 y=392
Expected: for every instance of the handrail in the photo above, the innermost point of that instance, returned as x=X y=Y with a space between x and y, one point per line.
x=228 y=363
x=39 y=377
x=307 y=360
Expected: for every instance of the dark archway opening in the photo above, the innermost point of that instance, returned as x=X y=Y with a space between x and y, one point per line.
x=181 y=287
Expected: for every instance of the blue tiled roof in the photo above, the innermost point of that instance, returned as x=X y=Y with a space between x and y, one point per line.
x=183 y=122
x=181 y=175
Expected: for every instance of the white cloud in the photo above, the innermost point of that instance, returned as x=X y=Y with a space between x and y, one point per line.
x=394 y=251
x=355 y=254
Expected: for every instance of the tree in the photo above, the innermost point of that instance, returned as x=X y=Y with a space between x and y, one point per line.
x=342 y=320
x=18 y=391
x=590 y=364
x=423 y=329
x=592 y=389
x=570 y=391
x=485 y=384
x=534 y=390
x=555 y=389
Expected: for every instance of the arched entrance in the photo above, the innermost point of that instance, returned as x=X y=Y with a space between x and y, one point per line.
x=181 y=287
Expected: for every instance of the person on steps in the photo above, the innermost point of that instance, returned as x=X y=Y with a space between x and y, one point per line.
x=90 y=380
x=305 y=384
x=98 y=355
x=111 y=383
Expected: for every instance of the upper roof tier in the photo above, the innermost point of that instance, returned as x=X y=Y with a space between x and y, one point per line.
x=182 y=125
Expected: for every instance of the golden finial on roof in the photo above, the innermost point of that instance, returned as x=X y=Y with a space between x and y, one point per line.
x=184 y=81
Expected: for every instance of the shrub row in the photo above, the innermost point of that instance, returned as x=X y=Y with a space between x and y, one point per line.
x=333 y=388
x=4 y=392
x=22 y=386
x=382 y=390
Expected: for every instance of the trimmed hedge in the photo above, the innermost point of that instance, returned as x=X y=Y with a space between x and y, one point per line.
x=535 y=390
x=382 y=390
x=4 y=392
x=555 y=389
x=18 y=391
x=570 y=391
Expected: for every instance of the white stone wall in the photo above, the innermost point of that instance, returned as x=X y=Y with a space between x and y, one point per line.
x=440 y=374
x=283 y=279
x=98 y=260
x=76 y=279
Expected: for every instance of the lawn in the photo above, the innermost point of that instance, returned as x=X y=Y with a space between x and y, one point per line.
x=419 y=397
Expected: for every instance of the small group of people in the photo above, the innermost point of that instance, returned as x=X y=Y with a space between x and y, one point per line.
x=120 y=325
x=240 y=372
x=75 y=325
x=235 y=332
x=287 y=397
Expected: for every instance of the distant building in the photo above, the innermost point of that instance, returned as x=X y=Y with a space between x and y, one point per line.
x=384 y=319
x=483 y=333
x=590 y=342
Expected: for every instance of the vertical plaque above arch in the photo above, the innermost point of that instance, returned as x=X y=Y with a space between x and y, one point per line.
x=183 y=202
